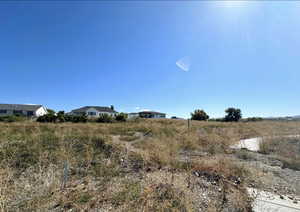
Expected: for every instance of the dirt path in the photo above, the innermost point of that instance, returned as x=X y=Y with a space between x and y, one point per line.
x=129 y=145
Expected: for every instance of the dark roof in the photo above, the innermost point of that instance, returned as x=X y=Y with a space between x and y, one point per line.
x=100 y=109
x=152 y=112
x=19 y=107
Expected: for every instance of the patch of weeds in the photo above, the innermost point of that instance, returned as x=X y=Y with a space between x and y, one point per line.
x=163 y=197
x=49 y=142
x=20 y=155
x=286 y=150
x=84 y=198
x=99 y=145
x=136 y=161
x=130 y=193
x=290 y=163
x=129 y=138
x=105 y=171
x=243 y=154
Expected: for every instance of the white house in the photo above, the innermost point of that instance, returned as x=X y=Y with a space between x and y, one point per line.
x=152 y=114
x=147 y=114
x=22 y=109
x=133 y=115
x=93 y=111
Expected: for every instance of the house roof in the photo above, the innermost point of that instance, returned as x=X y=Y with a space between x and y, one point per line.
x=19 y=107
x=152 y=112
x=98 y=108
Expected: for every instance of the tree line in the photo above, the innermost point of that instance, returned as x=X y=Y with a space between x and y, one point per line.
x=232 y=115
x=61 y=117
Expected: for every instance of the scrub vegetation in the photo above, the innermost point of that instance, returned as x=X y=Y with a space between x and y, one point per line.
x=139 y=165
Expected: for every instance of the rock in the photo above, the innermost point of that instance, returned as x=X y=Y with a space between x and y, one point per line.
x=219 y=189
x=56 y=205
x=295 y=202
x=281 y=197
x=290 y=197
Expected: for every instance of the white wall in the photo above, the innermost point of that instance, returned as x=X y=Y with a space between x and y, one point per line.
x=97 y=112
x=133 y=115
x=40 y=112
x=159 y=116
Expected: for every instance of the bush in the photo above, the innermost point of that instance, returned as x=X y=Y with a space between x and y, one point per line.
x=121 y=117
x=250 y=119
x=61 y=116
x=12 y=118
x=50 y=117
x=79 y=119
x=217 y=119
x=233 y=114
x=199 y=115
x=105 y=118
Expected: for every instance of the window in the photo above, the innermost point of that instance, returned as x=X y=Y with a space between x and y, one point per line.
x=91 y=113
x=17 y=112
x=3 y=111
x=30 y=113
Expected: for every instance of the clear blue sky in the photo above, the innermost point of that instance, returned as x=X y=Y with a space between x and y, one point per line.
x=70 y=54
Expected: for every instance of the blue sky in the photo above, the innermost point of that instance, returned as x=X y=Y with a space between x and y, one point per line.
x=70 y=54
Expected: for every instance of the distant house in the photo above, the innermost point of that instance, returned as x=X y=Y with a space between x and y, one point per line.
x=93 y=111
x=151 y=114
x=22 y=109
x=133 y=115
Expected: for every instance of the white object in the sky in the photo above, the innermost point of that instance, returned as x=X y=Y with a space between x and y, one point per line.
x=184 y=63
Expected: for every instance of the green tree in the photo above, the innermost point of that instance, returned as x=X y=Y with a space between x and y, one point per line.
x=121 y=117
x=105 y=118
x=47 y=118
x=199 y=115
x=50 y=111
x=61 y=116
x=233 y=114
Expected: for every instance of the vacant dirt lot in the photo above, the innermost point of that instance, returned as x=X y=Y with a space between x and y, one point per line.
x=143 y=165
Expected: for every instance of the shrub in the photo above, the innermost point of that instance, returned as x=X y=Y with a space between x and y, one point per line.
x=253 y=119
x=199 y=115
x=105 y=118
x=75 y=119
x=47 y=118
x=233 y=114
x=121 y=117
x=12 y=118
x=61 y=116
x=50 y=111
x=217 y=119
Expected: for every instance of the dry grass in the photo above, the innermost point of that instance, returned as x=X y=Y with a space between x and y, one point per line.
x=285 y=149
x=81 y=166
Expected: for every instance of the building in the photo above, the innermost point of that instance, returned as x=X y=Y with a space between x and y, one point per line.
x=23 y=110
x=151 y=114
x=94 y=111
x=133 y=115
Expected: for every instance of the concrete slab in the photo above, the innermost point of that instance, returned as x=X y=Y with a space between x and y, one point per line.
x=269 y=202
x=251 y=144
